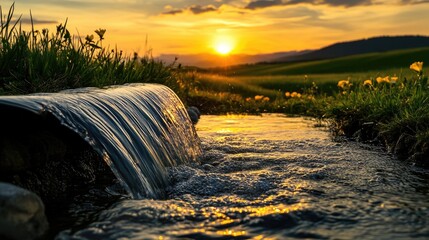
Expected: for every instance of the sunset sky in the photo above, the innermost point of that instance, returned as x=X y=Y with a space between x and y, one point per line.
x=246 y=26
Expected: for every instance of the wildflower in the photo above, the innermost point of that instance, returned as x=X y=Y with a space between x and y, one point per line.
x=367 y=83
x=100 y=32
x=394 y=79
x=89 y=38
x=295 y=95
x=344 y=84
x=248 y=99
x=383 y=79
x=417 y=66
x=266 y=99
x=259 y=97
x=287 y=94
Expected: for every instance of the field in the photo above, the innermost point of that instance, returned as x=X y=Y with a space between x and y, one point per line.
x=271 y=78
x=370 y=63
x=215 y=84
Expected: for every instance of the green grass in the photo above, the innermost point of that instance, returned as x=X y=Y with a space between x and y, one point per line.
x=41 y=61
x=248 y=79
x=364 y=63
x=272 y=86
x=396 y=115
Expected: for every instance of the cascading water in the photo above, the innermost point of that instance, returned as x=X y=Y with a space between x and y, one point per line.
x=139 y=129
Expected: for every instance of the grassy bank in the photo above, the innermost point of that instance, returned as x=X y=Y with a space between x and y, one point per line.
x=388 y=111
x=379 y=99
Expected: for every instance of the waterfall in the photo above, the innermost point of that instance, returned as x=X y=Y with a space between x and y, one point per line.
x=138 y=129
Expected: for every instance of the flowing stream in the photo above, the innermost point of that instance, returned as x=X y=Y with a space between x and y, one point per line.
x=272 y=177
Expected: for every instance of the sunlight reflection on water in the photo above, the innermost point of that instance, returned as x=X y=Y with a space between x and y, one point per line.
x=275 y=127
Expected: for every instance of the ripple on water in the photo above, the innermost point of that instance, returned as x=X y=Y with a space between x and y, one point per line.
x=273 y=177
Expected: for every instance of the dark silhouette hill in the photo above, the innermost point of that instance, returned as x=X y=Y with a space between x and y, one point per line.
x=370 y=45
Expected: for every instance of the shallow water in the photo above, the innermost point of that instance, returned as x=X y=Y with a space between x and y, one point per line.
x=274 y=177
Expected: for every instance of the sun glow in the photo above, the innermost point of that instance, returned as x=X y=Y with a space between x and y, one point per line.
x=223 y=45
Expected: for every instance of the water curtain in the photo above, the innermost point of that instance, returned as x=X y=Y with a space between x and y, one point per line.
x=138 y=129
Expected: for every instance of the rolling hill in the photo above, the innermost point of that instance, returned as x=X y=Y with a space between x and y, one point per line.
x=370 y=45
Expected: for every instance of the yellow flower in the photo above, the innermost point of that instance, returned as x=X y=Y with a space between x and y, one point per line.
x=417 y=66
x=287 y=94
x=266 y=99
x=382 y=80
x=259 y=97
x=295 y=95
x=379 y=79
x=367 y=83
x=343 y=84
x=248 y=99
x=394 y=79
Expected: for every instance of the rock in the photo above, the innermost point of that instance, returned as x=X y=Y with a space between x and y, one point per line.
x=22 y=213
x=196 y=110
x=194 y=114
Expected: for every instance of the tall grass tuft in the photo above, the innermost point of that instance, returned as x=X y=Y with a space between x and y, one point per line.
x=41 y=61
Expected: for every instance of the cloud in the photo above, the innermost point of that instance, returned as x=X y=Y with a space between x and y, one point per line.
x=263 y=4
x=348 y=3
x=405 y=2
x=270 y=3
x=195 y=9
x=173 y=12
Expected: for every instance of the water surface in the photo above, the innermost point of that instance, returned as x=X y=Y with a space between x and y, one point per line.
x=274 y=177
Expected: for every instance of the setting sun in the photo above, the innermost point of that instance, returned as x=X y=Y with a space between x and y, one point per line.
x=223 y=45
x=223 y=48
